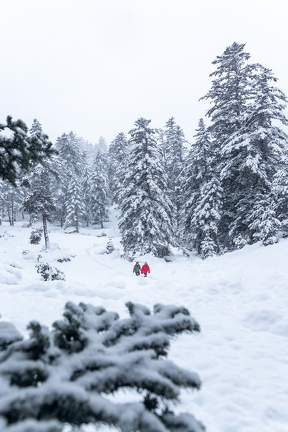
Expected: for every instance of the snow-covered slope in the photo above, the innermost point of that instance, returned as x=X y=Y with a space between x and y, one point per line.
x=239 y=299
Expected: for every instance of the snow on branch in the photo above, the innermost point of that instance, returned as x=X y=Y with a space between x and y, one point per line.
x=71 y=373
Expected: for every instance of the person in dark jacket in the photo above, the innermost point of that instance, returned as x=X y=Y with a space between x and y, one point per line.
x=145 y=269
x=137 y=269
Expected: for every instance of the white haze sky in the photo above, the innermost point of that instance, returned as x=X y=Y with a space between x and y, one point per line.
x=94 y=66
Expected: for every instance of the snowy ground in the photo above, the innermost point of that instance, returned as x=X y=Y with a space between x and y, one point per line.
x=239 y=299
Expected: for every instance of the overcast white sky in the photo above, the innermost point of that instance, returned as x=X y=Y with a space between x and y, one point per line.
x=95 y=66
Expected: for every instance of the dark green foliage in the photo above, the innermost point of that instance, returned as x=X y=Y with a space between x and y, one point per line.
x=39 y=201
x=19 y=151
x=64 y=376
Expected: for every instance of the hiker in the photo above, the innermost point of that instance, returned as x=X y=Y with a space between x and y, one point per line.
x=137 y=269
x=145 y=269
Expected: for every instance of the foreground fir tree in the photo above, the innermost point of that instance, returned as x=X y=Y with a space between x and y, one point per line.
x=146 y=212
x=68 y=376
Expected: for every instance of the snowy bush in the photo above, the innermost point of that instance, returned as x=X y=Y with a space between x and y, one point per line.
x=49 y=273
x=65 y=259
x=109 y=247
x=36 y=235
x=70 y=374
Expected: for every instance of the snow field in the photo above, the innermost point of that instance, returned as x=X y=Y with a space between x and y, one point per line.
x=239 y=299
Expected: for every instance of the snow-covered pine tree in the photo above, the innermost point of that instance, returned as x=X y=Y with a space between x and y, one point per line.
x=40 y=200
x=36 y=128
x=160 y=138
x=254 y=153
x=201 y=197
x=248 y=143
x=87 y=148
x=41 y=184
x=100 y=195
x=74 y=203
x=102 y=145
x=72 y=160
x=118 y=152
x=228 y=95
x=11 y=200
x=174 y=158
x=146 y=212
x=86 y=189
x=264 y=223
x=66 y=377
x=71 y=153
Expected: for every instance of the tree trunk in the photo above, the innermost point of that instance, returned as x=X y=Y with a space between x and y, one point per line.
x=101 y=220
x=12 y=216
x=45 y=231
x=77 y=224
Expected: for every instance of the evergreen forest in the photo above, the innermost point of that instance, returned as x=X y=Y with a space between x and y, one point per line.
x=226 y=189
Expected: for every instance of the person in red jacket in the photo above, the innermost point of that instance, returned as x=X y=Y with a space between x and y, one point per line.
x=145 y=269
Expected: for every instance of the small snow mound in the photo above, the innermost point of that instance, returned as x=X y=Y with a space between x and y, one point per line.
x=9 y=275
x=261 y=320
